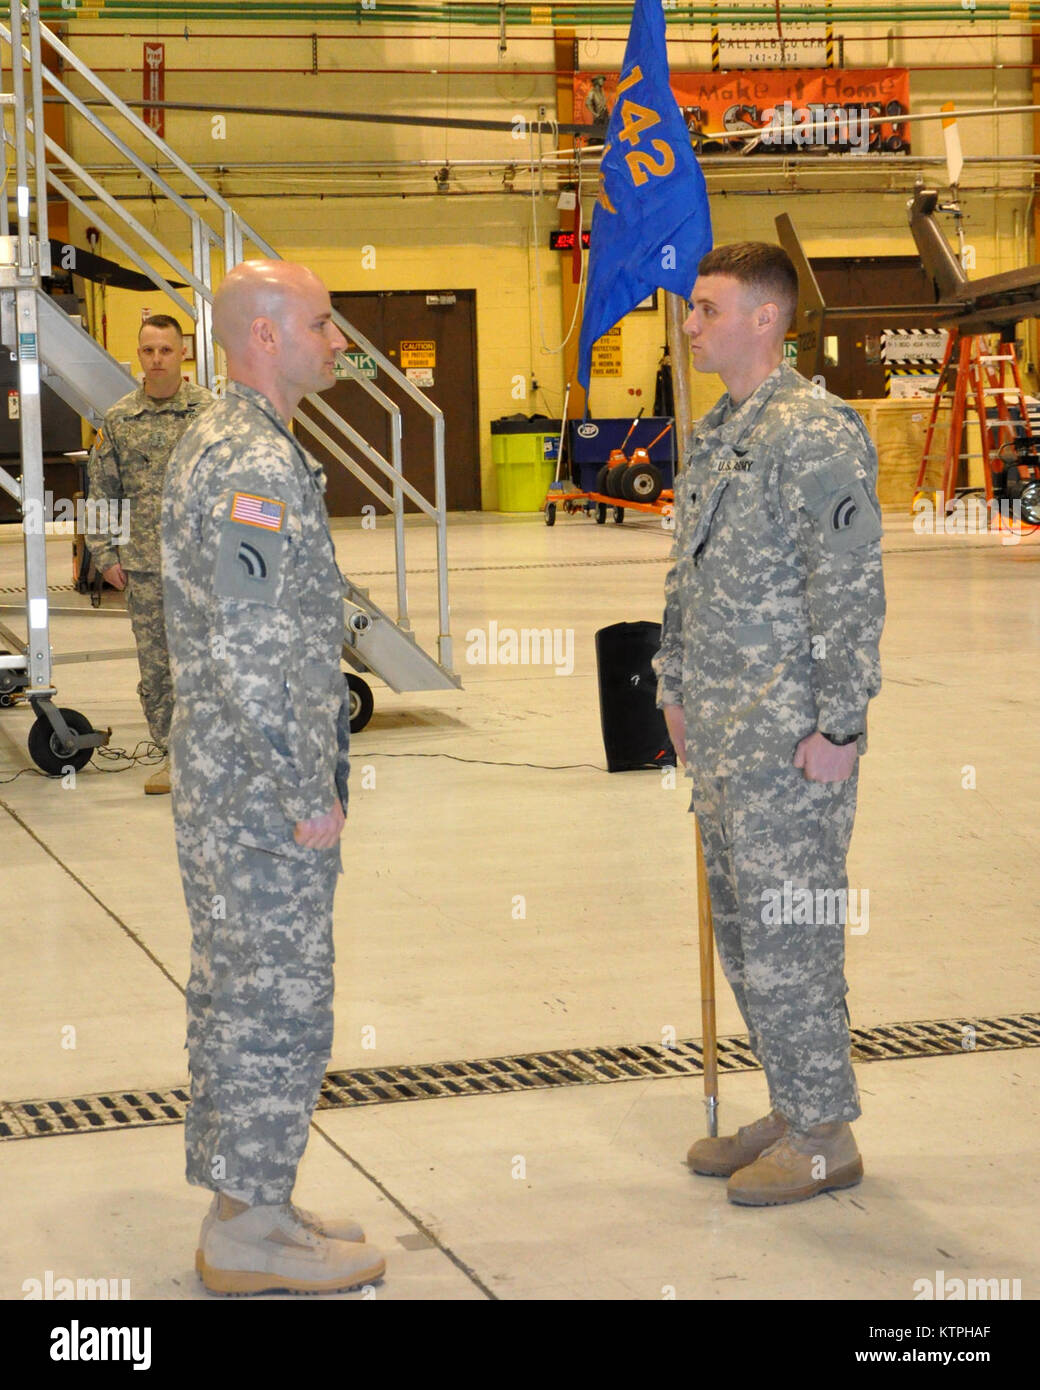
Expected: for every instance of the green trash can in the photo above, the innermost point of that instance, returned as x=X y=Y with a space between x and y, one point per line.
x=524 y=453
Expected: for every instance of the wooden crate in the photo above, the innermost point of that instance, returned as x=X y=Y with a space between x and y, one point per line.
x=898 y=429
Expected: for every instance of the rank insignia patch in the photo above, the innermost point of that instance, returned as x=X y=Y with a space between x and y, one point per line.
x=258 y=511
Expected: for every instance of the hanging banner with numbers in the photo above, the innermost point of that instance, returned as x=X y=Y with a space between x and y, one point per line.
x=154 y=86
x=651 y=224
x=815 y=110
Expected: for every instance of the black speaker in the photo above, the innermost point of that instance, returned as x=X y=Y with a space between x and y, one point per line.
x=634 y=732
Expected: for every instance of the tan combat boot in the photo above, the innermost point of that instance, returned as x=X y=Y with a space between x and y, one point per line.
x=718 y=1158
x=159 y=782
x=268 y=1248
x=799 y=1166
x=224 y=1207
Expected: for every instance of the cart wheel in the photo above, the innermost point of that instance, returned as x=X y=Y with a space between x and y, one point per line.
x=362 y=702
x=643 y=483
x=10 y=683
x=615 y=479
x=619 y=515
x=601 y=513
x=601 y=479
x=550 y=513
x=45 y=747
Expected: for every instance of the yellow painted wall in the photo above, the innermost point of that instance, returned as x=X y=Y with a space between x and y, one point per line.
x=493 y=254
x=488 y=242
x=500 y=266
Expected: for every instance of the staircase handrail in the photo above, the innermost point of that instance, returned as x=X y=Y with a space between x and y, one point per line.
x=236 y=232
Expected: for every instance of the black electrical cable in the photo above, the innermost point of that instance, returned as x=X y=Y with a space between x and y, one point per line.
x=150 y=757
x=486 y=762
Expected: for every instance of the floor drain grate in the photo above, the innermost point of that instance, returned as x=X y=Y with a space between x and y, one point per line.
x=577 y=1066
x=35 y=1119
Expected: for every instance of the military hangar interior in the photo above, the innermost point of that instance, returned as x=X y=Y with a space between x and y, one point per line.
x=511 y=917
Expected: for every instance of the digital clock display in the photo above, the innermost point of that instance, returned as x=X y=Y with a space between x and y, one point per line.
x=564 y=241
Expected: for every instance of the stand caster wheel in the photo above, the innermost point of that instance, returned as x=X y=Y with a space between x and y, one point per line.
x=47 y=750
x=11 y=684
x=362 y=702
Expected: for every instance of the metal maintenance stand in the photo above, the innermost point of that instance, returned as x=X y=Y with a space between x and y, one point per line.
x=60 y=738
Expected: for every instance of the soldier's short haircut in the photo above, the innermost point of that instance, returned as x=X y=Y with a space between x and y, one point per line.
x=763 y=267
x=160 y=321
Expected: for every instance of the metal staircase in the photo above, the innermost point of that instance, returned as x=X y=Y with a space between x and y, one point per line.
x=74 y=365
x=51 y=347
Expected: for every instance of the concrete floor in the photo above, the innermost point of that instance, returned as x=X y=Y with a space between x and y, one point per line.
x=499 y=792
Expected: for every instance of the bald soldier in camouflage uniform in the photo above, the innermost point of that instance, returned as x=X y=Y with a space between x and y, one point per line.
x=768 y=659
x=127 y=466
x=259 y=756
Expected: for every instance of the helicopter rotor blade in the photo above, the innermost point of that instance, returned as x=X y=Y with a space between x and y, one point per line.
x=952 y=141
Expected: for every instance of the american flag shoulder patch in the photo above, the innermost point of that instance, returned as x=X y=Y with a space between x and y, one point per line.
x=258 y=511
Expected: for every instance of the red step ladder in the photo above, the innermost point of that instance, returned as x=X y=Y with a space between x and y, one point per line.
x=985 y=381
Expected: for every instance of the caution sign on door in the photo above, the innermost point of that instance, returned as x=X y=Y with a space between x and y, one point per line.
x=418 y=352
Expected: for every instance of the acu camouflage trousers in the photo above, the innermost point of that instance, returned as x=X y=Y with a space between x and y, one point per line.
x=259 y=1009
x=144 y=602
x=761 y=831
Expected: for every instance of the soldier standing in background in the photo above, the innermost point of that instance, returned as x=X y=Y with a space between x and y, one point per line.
x=768 y=659
x=259 y=757
x=126 y=468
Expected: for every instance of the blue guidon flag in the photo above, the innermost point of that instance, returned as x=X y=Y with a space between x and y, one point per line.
x=651 y=225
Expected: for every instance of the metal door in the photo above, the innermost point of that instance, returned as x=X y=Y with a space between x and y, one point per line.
x=430 y=335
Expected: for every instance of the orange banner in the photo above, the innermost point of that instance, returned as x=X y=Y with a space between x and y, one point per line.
x=815 y=110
